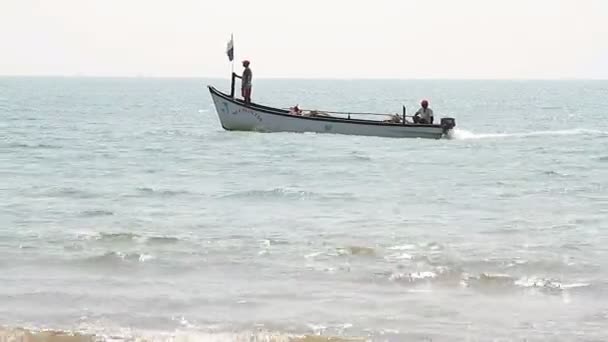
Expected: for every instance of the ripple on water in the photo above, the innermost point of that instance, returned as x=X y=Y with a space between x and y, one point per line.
x=96 y=212
x=36 y=146
x=70 y=192
x=162 y=192
x=286 y=193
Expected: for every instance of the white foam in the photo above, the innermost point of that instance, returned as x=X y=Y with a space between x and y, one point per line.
x=145 y=257
x=575 y=285
x=312 y=255
x=316 y=328
x=413 y=276
x=423 y=275
x=398 y=256
x=402 y=247
x=547 y=283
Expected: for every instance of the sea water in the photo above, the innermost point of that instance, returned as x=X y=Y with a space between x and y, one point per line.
x=127 y=213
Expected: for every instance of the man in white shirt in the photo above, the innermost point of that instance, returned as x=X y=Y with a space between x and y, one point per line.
x=424 y=115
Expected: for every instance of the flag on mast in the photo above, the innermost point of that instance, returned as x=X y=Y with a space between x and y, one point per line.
x=230 y=48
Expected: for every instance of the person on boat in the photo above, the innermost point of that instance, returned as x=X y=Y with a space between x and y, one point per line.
x=295 y=110
x=424 y=115
x=246 y=82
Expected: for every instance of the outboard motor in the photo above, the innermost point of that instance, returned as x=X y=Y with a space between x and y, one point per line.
x=447 y=124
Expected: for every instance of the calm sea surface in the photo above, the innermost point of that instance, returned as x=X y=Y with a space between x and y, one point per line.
x=126 y=212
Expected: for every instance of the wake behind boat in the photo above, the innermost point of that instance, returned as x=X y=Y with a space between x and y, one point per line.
x=235 y=114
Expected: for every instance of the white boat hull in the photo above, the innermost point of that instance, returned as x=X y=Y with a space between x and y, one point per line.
x=235 y=115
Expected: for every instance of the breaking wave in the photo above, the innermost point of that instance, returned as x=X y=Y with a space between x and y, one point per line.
x=548 y=284
x=461 y=134
x=484 y=281
x=413 y=277
x=21 y=334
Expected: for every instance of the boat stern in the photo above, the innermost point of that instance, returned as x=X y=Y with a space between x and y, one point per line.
x=447 y=124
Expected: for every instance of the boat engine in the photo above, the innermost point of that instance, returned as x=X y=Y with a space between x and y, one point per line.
x=447 y=124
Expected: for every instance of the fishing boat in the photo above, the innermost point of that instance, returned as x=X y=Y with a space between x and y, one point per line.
x=235 y=115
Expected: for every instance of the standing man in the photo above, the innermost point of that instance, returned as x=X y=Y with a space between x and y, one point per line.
x=246 y=82
x=424 y=115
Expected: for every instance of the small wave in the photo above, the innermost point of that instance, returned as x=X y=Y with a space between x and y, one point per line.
x=279 y=193
x=603 y=159
x=26 y=247
x=547 y=284
x=113 y=258
x=357 y=250
x=554 y=173
x=162 y=240
x=413 y=277
x=484 y=282
x=115 y=237
x=497 y=281
x=313 y=255
x=434 y=246
x=488 y=280
x=270 y=241
x=319 y=329
x=162 y=192
x=405 y=247
x=70 y=192
x=460 y=134
x=33 y=146
x=398 y=257
x=92 y=213
x=129 y=238
x=358 y=156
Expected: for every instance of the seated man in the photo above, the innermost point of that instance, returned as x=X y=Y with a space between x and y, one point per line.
x=295 y=110
x=424 y=115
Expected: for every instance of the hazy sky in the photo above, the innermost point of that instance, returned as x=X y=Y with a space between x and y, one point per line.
x=307 y=38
